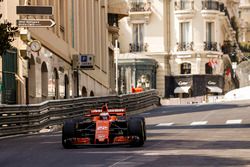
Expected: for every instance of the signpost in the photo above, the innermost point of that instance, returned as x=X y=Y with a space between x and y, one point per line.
x=34 y=10
x=35 y=23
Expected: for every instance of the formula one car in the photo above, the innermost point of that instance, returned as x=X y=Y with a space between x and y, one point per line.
x=104 y=126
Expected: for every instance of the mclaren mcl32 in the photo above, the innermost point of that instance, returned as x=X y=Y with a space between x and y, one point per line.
x=104 y=127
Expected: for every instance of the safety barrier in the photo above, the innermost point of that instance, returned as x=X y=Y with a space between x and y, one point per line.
x=23 y=119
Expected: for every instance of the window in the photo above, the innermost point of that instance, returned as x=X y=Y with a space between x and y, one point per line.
x=138 y=36
x=184 y=32
x=185 y=68
x=210 y=32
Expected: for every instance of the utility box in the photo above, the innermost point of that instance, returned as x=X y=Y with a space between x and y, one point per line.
x=83 y=61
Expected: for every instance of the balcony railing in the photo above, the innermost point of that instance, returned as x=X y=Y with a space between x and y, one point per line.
x=184 y=46
x=138 y=47
x=184 y=5
x=140 y=6
x=210 y=5
x=211 y=46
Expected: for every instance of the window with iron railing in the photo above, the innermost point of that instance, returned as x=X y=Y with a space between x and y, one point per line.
x=209 y=44
x=210 y=5
x=184 y=46
x=185 y=37
x=136 y=47
x=138 y=38
x=184 y=4
x=139 y=6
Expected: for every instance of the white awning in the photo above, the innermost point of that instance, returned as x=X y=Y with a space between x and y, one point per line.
x=214 y=89
x=182 y=89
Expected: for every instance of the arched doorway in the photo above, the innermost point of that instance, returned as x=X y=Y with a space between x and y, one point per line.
x=55 y=81
x=208 y=68
x=31 y=80
x=84 y=92
x=186 y=68
x=91 y=93
x=66 y=86
x=44 y=81
x=76 y=84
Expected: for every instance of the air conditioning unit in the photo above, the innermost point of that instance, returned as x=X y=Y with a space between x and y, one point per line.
x=84 y=61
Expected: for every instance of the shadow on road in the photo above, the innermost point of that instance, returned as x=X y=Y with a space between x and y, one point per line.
x=195 y=161
x=181 y=109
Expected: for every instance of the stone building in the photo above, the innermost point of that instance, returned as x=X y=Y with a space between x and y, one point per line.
x=87 y=27
x=193 y=43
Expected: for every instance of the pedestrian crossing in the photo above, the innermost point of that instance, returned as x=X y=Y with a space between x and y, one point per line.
x=199 y=123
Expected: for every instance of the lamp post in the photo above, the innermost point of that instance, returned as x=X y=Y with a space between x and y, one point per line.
x=116 y=52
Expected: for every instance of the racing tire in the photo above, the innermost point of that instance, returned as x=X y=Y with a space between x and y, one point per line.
x=68 y=132
x=135 y=128
x=144 y=125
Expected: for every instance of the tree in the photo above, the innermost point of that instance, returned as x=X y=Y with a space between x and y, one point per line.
x=7 y=33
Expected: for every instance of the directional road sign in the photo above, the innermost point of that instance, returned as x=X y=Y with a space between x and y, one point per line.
x=34 y=10
x=38 y=23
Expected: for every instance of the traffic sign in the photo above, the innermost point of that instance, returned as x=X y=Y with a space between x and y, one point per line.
x=35 y=23
x=34 y=10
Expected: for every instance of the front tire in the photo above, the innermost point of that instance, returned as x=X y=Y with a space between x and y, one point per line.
x=135 y=128
x=68 y=132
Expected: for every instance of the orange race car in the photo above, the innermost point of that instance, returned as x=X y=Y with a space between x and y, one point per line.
x=104 y=126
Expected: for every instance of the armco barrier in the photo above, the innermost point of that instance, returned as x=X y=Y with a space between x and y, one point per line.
x=23 y=119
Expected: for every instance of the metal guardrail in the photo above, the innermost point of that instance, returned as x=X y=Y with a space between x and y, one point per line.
x=23 y=119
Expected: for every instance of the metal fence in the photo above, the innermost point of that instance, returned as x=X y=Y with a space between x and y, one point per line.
x=23 y=119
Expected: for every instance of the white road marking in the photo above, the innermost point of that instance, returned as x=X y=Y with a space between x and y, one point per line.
x=165 y=124
x=199 y=123
x=236 y=121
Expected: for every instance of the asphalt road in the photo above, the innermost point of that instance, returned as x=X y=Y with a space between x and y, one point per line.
x=189 y=136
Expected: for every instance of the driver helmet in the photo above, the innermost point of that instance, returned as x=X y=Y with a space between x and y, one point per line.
x=104 y=116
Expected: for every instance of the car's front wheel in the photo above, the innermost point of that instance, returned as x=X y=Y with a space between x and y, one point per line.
x=68 y=132
x=136 y=129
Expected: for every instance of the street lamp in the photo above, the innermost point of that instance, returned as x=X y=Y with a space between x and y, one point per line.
x=117 y=53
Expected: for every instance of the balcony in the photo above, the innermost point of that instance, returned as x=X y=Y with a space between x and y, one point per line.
x=139 y=6
x=138 y=47
x=210 y=46
x=184 y=46
x=139 y=11
x=113 y=25
x=119 y=7
x=210 y=5
x=184 y=9
x=210 y=8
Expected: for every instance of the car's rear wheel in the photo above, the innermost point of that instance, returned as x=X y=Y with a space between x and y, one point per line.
x=68 y=132
x=135 y=129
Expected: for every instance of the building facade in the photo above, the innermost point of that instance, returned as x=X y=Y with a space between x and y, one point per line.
x=193 y=42
x=82 y=27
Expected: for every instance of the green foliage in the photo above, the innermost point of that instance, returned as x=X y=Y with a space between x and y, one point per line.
x=7 y=33
x=245 y=46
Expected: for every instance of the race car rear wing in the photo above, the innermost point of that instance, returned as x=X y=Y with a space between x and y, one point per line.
x=118 y=111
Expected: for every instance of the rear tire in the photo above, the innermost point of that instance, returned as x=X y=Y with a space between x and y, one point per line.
x=68 y=132
x=135 y=128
